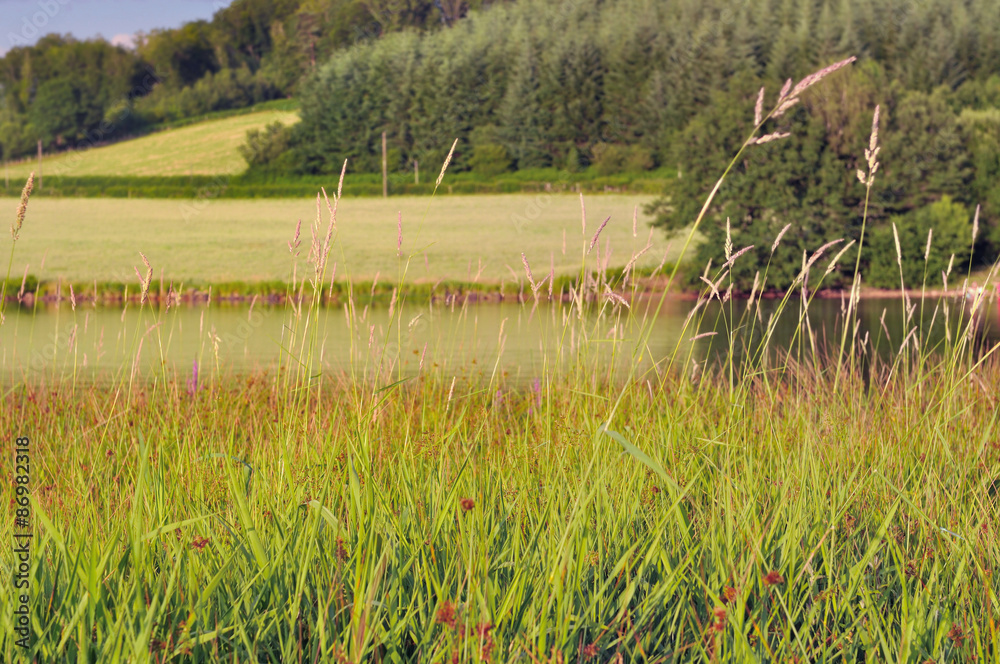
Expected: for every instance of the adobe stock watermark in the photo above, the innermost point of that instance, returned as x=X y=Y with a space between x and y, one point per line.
x=22 y=542
x=33 y=26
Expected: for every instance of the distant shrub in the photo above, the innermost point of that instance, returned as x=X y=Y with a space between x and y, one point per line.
x=573 y=160
x=489 y=159
x=264 y=148
x=219 y=91
x=609 y=158
x=639 y=159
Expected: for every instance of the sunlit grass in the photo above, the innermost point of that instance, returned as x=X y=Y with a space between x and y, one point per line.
x=205 y=242
x=206 y=148
x=877 y=509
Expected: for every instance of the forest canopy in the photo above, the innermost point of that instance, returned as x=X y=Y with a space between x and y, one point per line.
x=71 y=93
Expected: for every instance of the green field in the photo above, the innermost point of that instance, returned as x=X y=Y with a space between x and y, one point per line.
x=205 y=148
x=203 y=242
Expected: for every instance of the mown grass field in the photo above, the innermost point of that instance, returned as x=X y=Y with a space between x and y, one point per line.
x=205 y=242
x=206 y=148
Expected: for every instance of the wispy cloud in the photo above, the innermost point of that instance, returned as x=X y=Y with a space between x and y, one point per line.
x=123 y=40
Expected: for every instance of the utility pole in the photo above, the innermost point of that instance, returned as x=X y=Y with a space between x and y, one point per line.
x=385 y=170
x=39 y=164
x=416 y=172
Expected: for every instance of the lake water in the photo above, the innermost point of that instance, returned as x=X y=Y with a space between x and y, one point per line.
x=97 y=342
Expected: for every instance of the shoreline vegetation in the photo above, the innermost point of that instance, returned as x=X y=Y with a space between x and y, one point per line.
x=276 y=293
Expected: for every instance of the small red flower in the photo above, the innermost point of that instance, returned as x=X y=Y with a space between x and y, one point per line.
x=485 y=640
x=957 y=634
x=199 y=543
x=728 y=595
x=773 y=579
x=467 y=504
x=446 y=614
x=590 y=651
x=720 y=619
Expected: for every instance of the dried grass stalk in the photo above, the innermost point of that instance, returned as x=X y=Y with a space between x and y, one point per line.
x=22 y=206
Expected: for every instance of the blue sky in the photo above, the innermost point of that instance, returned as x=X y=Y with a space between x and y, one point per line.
x=24 y=21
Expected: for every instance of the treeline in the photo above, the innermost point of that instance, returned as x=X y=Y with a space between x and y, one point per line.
x=71 y=93
x=939 y=158
x=62 y=91
x=571 y=83
x=627 y=85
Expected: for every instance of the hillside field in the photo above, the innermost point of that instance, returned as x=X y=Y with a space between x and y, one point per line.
x=205 y=148
x=204 y=242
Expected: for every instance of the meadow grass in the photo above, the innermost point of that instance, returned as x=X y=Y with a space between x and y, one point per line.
x=206 y=148
x=802 y=505
x=434 y=521
x=201 y=243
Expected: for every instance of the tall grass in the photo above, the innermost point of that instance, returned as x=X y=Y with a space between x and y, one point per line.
x=620 y=504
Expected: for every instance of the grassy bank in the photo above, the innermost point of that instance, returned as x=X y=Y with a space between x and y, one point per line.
x=209 y=147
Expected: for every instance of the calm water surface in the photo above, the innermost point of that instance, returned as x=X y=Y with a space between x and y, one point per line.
x=96 y=341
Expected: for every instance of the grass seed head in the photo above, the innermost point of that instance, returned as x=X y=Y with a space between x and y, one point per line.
x=293 y=246
x=444 y=167
x=527 y=271
x=781 y=234
x=728 y=247
x=776 y=136
x=22 y=206
x=597 y=235
x=816 y=77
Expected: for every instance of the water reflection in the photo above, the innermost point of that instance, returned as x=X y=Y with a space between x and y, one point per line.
x=519 y=338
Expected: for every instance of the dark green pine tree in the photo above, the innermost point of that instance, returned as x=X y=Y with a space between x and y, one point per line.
x=571 y=87
x=523 y=122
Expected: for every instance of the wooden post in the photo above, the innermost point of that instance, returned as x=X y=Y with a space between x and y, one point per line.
x=416 y=172
x=39 y=164
x=385 y=170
